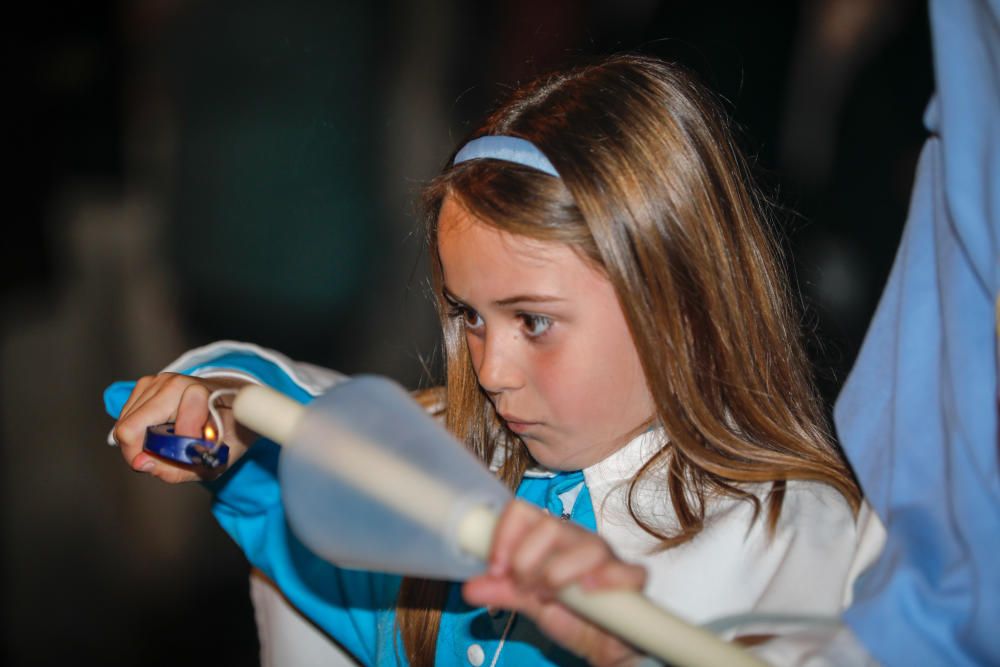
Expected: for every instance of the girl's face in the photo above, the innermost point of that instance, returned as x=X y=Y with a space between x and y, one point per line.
x=548 y=341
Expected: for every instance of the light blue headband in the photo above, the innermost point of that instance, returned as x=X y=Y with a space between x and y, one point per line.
x=508 y=149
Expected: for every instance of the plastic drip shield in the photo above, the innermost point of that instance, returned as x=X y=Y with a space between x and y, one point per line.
x=370 y=481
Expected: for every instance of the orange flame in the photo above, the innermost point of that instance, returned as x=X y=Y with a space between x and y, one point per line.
x=209 y=432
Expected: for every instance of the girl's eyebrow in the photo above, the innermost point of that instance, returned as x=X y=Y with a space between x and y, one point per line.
x=527 y=298
x=509 y=301
x=451 y=298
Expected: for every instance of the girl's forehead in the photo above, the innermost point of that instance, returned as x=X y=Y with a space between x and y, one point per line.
x=483 y=263
x=462 y=236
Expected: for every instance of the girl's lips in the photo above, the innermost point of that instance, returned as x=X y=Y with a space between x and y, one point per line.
x=516 y=425
x=519 y=427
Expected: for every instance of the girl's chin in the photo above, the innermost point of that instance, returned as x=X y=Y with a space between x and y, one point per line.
x=548 y=457
x=567 y=455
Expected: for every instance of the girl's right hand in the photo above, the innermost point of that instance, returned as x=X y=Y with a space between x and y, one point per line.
x=533 y=556
x=170 y=397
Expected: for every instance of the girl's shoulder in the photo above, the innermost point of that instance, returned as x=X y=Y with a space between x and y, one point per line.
x=810 y=504
x=736 y=563
x=815 y=519
x=807 y=564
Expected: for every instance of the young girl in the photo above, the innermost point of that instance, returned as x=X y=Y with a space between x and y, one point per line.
x=620 y=348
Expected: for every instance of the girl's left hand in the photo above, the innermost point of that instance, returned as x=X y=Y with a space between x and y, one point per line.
x=533 y=556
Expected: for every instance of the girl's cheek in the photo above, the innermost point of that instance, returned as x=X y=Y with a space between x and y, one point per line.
x=556 y=380
x=475 y=345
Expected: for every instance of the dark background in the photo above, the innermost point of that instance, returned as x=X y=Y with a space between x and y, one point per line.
x=183 y=171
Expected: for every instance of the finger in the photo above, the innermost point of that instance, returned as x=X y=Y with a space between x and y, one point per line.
x=159 y=388
x=536 y=547
x=163 y=469
x=192 y=412
x=141 y=462
x=159 y=405
x=141 y=385
x=500 y=592
x=169 y=472
x=570 y=564
x=161 y=383
x=515 y=521
x=616 y=575
x=144 y=388
x=489 y=591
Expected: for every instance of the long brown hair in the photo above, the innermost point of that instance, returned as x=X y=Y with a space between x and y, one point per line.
x=655 y=193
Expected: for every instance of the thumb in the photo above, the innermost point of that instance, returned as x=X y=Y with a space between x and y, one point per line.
x=192 y=412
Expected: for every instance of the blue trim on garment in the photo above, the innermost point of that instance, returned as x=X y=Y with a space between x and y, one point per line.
x=266 y=372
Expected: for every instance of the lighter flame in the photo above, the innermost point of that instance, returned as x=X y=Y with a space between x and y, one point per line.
x=209 y=432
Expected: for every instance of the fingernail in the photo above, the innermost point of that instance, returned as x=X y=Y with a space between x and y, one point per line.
x=147 y=466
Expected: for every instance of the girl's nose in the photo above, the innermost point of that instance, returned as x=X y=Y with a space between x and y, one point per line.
x=497 y=369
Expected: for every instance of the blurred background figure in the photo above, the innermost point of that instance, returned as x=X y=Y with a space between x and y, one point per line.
x=847 y=147
x=170 y=153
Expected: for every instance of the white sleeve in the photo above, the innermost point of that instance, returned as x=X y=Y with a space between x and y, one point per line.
x=210 y=361
x=311 y=378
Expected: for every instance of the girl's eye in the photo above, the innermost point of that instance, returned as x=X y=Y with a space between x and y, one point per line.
x=470 y=318
x=535 y=325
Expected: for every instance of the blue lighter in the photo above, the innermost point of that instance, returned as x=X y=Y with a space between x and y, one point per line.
x=163 y=442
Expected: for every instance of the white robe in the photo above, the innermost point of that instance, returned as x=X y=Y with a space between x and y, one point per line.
x=734 y=567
